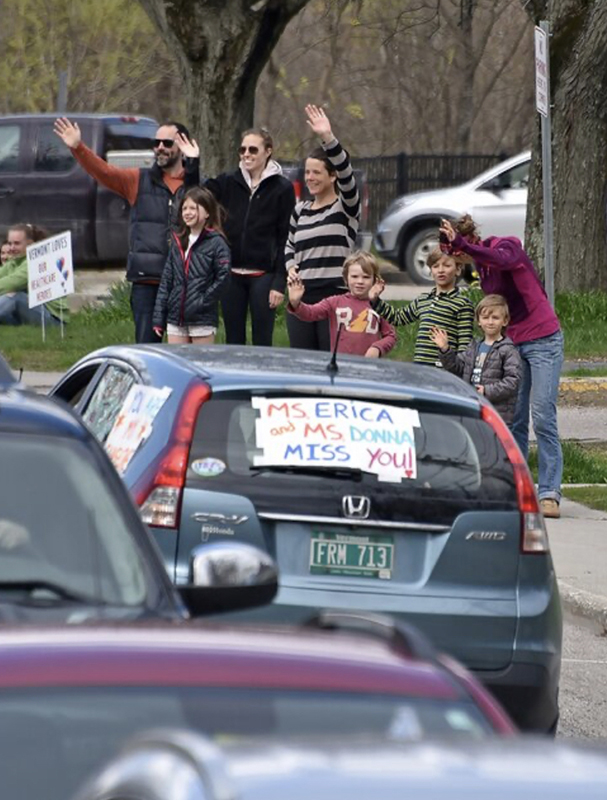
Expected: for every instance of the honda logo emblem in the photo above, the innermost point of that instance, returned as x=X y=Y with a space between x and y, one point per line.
x=356 y=506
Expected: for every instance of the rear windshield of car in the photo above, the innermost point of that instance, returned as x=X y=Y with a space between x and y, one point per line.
x=130 y=136
x=298 y=443
x=60 y=524
x=64 y=734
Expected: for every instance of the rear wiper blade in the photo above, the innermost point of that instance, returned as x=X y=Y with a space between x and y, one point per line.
x=57 y=591
x=334 y=472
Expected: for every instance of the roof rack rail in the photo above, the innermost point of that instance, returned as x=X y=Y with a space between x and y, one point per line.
x=399 y=635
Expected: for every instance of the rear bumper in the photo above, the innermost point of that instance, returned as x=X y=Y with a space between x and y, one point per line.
x=529 y=643
x=529 y=692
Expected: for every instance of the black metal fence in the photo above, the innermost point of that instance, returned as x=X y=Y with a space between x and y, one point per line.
x=387 y=177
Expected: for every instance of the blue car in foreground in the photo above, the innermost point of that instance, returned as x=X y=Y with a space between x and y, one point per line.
x=377 y=486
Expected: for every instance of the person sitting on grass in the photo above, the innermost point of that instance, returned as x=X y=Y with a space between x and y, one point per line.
x=14 y=303
x=491 y=364
x=5 y=252
x=444 y=307
x=363 y=332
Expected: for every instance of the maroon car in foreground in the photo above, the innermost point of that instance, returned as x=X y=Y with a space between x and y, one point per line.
x=71 y=697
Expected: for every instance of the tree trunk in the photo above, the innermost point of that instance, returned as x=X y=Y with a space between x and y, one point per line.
x=578 y=74
x=222 y=46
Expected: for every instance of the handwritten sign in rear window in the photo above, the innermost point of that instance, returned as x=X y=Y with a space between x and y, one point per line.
x=354 y=434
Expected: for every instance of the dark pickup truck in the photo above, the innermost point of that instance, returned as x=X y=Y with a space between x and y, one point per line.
x=42 y=183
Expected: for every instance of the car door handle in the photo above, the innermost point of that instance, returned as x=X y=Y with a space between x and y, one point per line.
x=5 y=191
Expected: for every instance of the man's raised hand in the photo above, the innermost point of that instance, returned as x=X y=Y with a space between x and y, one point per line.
x=68 y=132
x=189 y=147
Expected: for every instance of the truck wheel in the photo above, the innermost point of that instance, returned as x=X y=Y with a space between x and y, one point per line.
x=416 y=252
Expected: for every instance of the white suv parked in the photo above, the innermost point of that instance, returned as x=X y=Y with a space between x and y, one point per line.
x=496 y=199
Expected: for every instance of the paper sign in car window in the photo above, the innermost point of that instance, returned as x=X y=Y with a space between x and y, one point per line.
x=354 y=434
x=134 y=423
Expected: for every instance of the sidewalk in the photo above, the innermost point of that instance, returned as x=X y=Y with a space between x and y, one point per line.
x=578 y=541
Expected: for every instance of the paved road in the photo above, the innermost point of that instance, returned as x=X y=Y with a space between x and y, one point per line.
x=587 y=423
x=584 y=682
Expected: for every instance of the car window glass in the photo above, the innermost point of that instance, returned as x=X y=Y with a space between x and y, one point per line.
x=9 y=147
x=91 y=724
x=514 y=178
x=72 y=390
x=452 y=452
x=130 y=136
x=106 y=400
x=60 y=522
x=52 y=155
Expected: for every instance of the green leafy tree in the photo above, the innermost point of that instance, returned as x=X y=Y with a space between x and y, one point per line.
x=113 y=57
x=222 y=47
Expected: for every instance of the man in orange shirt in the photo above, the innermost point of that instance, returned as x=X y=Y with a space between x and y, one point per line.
x=154 y=195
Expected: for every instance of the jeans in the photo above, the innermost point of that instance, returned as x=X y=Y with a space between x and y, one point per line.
x=143 y=298
x=15 y=310
x=308 y=335
x=542 y=363
x=248 y=293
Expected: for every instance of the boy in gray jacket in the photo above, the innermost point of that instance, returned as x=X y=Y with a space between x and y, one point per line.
x=493 y=364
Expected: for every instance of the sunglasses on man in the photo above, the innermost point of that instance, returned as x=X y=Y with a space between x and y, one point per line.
x=168 y=143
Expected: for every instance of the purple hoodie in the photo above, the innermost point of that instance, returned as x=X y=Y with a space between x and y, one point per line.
x=506 y=269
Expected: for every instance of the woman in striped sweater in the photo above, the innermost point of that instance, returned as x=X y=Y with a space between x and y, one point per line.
x=322 y=231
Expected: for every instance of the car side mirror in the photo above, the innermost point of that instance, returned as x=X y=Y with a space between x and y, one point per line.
x=228 y=576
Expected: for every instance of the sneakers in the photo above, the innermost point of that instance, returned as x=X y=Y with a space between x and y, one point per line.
x=550 y=508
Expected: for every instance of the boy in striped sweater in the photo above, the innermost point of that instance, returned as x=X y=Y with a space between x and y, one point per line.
x=444 y=307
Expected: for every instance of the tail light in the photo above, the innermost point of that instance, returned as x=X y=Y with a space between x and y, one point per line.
x=159 y=492
x=534 y=537
x=298 y=189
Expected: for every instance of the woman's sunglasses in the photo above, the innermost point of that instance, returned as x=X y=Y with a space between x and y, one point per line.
x=252 y=150
x=168 y=143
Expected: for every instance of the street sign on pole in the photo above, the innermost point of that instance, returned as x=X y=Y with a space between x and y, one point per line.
x=541 y=72
x=542 y=102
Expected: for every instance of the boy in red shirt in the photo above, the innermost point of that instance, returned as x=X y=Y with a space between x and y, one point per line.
x=363 y=331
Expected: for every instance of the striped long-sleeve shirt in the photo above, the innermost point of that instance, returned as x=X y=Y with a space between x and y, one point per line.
x=452 y=311
x=320 y=239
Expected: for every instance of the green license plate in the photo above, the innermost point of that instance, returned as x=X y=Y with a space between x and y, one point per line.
x=360 y=556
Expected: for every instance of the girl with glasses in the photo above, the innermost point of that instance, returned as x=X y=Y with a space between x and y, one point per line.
x=258 y=201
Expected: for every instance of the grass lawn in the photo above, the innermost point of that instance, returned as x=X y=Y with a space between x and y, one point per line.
x=592 y=496
x=582 y=463
x=583 y=316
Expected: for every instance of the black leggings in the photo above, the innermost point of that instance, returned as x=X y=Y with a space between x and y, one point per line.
x=308 y=335
x=244 y=293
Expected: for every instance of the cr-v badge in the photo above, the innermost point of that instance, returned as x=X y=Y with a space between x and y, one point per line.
x=356 y=506
x=217 y=524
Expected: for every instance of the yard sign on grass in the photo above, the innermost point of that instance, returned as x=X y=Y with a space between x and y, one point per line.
x=50 y=271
